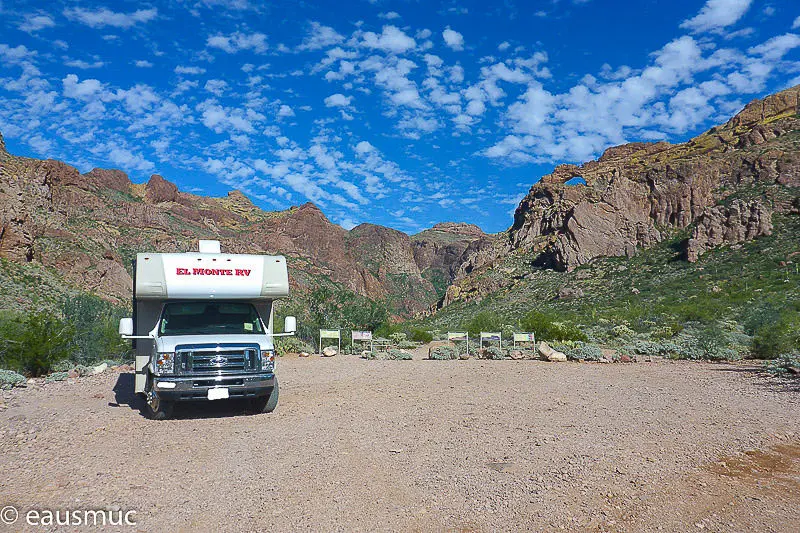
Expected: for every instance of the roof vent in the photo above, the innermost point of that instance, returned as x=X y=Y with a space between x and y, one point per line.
x=209 y=247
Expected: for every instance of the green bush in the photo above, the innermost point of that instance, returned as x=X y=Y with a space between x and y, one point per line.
x=95 y=324
x=623 y=331
x=483 y=321
x=785 y=364
x=33 y=343
x=420 y=335
x=284 y=345
x=493 y=352
x=56 y=376
x=585 y=352
x=549 y=330
x=10 y=379
x=443 y=353
x=776 y=337
x=63 y=366
x=398 y=337
x=398 y=355
x=407 y=345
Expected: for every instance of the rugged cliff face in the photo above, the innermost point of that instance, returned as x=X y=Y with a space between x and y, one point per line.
x=637 y=194
x=89 y=226
x=438 y=251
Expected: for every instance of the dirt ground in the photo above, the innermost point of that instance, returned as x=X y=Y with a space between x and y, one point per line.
x=421 y=445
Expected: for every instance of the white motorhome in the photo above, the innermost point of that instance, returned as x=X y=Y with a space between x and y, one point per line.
x=202 y=327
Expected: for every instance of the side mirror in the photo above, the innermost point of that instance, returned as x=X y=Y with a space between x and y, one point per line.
x=126 y=327
x=290 y=324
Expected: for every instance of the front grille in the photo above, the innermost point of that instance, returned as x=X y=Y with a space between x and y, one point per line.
x=218 y=359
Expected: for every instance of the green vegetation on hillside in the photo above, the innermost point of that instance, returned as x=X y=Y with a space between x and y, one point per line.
x=736 y=301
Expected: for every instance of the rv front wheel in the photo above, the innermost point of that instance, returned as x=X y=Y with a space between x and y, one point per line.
x=267 y=404
x=157 y=408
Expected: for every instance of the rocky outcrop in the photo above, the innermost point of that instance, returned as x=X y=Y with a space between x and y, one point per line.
x=741 y=221
x=638 y=194
x=159 y=190
x=438 y=251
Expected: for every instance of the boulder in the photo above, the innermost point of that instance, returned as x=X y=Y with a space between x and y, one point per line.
x=304 y=354
x=568 y=293
x=516 y=355
x=550 y=354
x=329 y=351
x=99 y=369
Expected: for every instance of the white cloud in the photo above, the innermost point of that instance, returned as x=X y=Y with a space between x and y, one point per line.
x=81 y=64
x=503 y=46
x=391 y=15
x=453 y=39
x=285 y=111
x=717 y=15
x=364 y=147
x=320 y=36
x=238 y=41
x=34 y=23
x=100 y=18
x=796 y=23
x=216 y=87
x=180 y=69
x=392 y=39
x=143 y=63
x=337 y=100
x=81 y=90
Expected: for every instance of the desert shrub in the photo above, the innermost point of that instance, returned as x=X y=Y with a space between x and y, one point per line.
x=483 y=321
x=777 y=337
x=785 y=364
x=369 y=355
x=585 y=352
x=398 y=337
x=33 y=343
x=623 y=331
x=493 y=352
x=547 y=329
x=10 y=379
x=398 y=355
x=63 y=366
x=83 y=370
x=284 y=345
x=407 y=345
x=95 y=323
x=56 y=376
x=420 y=335
x=442 y=353
x=666 y=331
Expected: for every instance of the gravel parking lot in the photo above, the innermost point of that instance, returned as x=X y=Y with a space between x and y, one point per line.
x=422 y=445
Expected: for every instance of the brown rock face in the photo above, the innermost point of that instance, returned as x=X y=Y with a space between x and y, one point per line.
x=741 y=221
x=159 y=190
x=640 y=193
x=438 y=251
x=634 y=192
x=83 y=227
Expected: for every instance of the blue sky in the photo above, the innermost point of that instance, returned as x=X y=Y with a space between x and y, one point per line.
x=400 y=113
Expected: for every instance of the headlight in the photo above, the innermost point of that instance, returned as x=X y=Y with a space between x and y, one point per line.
x=267 y=359
x=165 y=363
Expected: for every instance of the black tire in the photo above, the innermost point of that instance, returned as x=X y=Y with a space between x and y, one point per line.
x=268 y=403
x=156 y=407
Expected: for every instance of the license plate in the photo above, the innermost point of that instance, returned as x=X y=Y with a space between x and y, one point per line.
x=220 y=393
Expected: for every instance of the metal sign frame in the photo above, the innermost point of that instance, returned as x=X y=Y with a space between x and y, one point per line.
x=362 y=334
x=459 y=336
x=491 y=336
x=330 y=334
x=531 y=337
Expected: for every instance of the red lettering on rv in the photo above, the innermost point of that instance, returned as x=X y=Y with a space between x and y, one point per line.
x=182 y=272
x=241 y=272
x=208 y=272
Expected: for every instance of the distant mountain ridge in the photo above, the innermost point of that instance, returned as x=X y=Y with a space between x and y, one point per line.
x=89 y=226
x=721 y=187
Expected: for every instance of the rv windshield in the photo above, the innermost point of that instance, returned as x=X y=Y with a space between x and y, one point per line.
x=209 y=318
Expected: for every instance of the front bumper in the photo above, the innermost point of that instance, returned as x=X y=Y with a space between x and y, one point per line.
x=196 y=387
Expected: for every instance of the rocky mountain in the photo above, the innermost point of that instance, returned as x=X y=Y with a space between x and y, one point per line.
x=89 y=226
x=439 y=251
x=721 y=187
